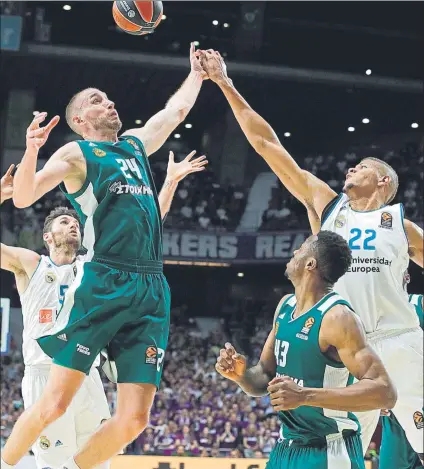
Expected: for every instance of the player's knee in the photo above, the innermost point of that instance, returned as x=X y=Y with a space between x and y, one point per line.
x=135 y=424
x=50 y=412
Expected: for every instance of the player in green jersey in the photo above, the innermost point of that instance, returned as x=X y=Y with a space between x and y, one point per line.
x=315 y=349
x=120 y=300
x=396 y=451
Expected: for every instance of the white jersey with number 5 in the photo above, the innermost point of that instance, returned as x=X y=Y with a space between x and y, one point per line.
x=41 y=301
x=374 y=283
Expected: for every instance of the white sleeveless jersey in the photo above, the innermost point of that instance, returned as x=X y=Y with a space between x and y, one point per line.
x=374 y=283
x=41 y=301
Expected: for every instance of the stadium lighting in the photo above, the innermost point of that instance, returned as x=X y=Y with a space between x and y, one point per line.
x=351 y=129
x=188 y=126
x=287 y=134
x=240 y=274
x=163 y=17
x=365 y=120
x=368 y=72
x=414 y=125
x=138 y=121
x=226 y=25
x=215 y=22
x=67 y=7
x=196 y=43
x=177 y=135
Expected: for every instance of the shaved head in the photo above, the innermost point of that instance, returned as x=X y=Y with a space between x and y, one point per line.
x=74 y=106
x=385 y=170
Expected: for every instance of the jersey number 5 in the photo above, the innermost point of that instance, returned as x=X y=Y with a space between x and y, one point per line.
x=129 y=165
x=356 y=236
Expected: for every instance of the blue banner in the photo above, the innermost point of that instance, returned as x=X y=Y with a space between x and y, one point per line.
x=10 y=32
x=231 y=247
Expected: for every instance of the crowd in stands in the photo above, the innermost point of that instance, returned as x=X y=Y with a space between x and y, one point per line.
x=285 y=212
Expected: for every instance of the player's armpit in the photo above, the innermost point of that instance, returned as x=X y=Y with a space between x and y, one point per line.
x=343 y=330
x=18 y=260
x=416 y=241
x=65 y=163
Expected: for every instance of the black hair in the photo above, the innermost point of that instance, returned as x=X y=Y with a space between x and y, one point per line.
x=333 y=256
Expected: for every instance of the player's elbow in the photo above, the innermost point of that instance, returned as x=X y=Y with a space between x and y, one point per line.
x=388 y=394
x=21 y=202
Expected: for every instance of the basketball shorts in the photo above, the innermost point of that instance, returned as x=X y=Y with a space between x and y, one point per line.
x=64 y=437
x=338 y=453
x=121 y=309
x=395 y=450
x=402 y=355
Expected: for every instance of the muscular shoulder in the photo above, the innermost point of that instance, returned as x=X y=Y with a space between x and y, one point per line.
x=339 y=323
x=71 y=152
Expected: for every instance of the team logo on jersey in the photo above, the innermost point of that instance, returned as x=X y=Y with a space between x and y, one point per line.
x=45 y=316
x=44 y=442
x=119 y=188
x=340 y=221
x=98 y=152
x=386 y=220
x=50 y=277
x=418 y=420
x=151 y=355
x=303 y=334
x=134 y=144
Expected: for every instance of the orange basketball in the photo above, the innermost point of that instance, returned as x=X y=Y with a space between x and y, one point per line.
x=137 y=18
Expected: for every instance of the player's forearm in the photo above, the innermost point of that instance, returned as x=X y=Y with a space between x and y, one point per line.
x=183 y=100
x=255 y=127
x=255 y=381
x=166 y=195
x=364 y=395
x=24 y=180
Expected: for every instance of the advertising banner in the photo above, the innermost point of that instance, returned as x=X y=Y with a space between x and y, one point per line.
x=231 y=248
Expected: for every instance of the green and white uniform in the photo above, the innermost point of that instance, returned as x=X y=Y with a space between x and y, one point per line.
x=120 y=300
x=396 y=451
x=312 y=437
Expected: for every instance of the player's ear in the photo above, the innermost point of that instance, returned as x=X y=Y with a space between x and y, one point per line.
x=311 y=263
x=384 y=180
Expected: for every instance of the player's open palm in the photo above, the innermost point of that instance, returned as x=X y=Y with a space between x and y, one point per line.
x=178 y=171
x=6 y=185
x=230 y=364
x=37 y=136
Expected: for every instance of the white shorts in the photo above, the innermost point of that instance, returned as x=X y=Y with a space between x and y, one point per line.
x=64 y=437
x=402 y=355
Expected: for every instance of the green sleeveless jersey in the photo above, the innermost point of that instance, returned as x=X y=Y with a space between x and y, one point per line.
x=299 y=356
x=118 y=203
x=417 y=302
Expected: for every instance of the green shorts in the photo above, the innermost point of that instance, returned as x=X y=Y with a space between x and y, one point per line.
x=121 y=309
x=395 y=450
x=340 y=453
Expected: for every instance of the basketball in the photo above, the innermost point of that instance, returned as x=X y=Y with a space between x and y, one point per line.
x=137 y=18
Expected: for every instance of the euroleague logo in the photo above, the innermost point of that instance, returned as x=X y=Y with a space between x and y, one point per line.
x=418 y=420
x=151 y=355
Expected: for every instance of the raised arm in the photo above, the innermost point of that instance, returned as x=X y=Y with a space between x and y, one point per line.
x=30 y=185
x=254 y=381
x=158 y=128
x=416 y=242
x=174 y=174
x=342 y=331
x=308 y=189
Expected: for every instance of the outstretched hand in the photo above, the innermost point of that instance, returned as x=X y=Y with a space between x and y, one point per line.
x=37 y=136
x=6 y=185
x=178 y=171
x=213 y=64
x=230 y=364
x=196 y=66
